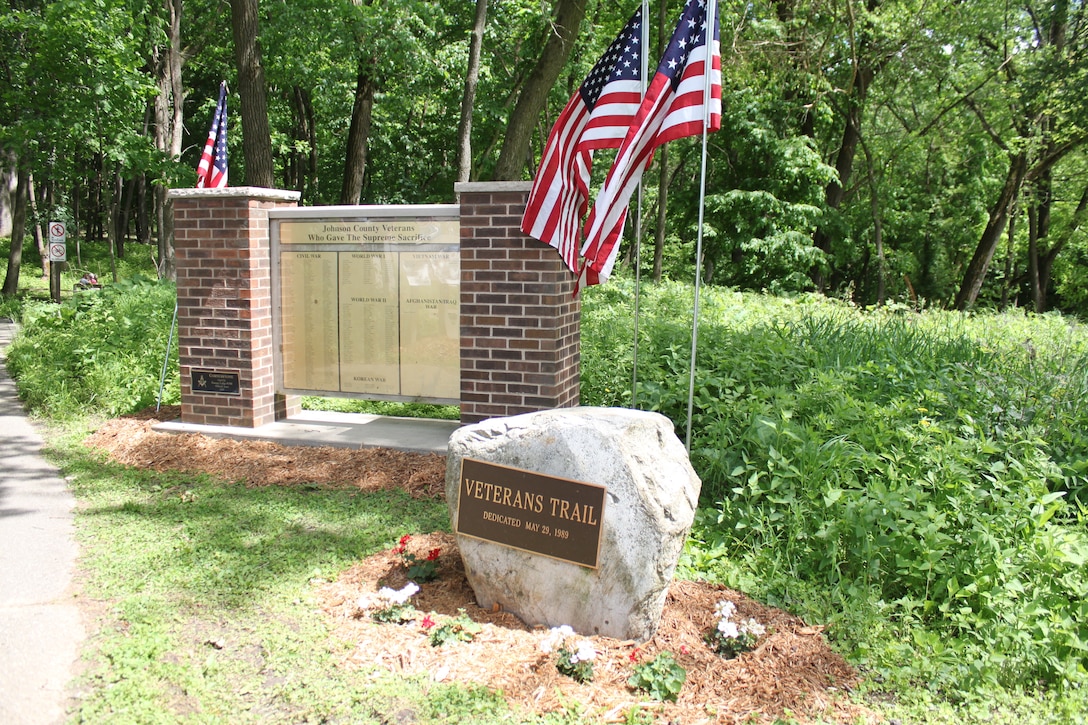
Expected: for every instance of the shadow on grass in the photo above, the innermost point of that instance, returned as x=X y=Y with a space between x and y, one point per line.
x=221 y=543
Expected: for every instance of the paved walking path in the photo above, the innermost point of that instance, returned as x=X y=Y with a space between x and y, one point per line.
x=41 y=630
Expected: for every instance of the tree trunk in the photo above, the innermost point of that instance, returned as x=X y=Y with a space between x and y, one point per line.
x=865 y=69
x=169 y=107
x=18 y=229
x=468 y=100
x=94 y=202
x=256 y=138
x=351 y=191
x=1021 y=171
x=514 y=155
x=124 y=213
x=1042 y=262
x=302 y=168
x=1033 y=258
x=662 y=199
x=143 y=227
x=9 y=179
x=112 y=204
x=663 y=196
x=878 y=225
x=975 y=274
x=77 y=191
x=835 y=192
x=1010 y=261
x=35 y=227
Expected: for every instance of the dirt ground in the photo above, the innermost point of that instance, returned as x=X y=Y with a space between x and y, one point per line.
x=791 y=672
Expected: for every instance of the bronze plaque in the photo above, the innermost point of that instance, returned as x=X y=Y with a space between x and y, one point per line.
x=532 y=512
x=218 y=383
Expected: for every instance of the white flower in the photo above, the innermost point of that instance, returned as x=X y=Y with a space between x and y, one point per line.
x=725 y=609
x=584 y=653
x=555 y=637
x=754 y=628
x=398 y=596
x=728 y=629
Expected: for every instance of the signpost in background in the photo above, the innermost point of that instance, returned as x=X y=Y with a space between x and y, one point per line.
x=58 y=252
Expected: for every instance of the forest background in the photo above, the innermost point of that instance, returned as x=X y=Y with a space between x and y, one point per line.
x=927 y=151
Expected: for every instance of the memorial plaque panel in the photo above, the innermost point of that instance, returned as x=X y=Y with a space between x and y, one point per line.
x=542 y=514
x=430 y=324
x=369 y=323
x=368 y=302
x=310 y=342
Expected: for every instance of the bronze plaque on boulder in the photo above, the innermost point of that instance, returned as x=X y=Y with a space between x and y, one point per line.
x=532 y=512
x=218 y=383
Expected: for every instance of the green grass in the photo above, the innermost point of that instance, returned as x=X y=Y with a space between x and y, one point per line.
x=208 y=591
x=383 y=407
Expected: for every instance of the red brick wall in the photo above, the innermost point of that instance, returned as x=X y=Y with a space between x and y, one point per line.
x=520 y=338
x=225 y=302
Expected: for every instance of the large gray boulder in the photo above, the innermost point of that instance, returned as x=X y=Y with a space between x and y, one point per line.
x=650 y=500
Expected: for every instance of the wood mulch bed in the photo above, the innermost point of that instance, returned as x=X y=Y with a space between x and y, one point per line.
x=792 y=672
x=130 y=440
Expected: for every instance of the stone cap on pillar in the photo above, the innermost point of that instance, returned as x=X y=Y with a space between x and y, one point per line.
x=461 y=186
x=236 y=192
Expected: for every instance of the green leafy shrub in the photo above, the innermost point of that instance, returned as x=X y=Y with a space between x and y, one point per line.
x=661 y=678
x=99 y=352
x=454 y=629
x=916 y=479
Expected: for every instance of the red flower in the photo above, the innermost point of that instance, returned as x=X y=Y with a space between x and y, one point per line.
x=433 y=555
x=684 y=649
x=634 y=655
x=405 y=539
x=427 y=623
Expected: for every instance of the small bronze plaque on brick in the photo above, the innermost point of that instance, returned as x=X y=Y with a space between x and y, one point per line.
x=216 y=382
x=555 y=517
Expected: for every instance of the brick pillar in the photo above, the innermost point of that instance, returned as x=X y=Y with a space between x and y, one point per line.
x=225 y=305
x=520 y=335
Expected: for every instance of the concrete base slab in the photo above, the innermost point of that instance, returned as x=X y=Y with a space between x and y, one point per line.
x=342 y=430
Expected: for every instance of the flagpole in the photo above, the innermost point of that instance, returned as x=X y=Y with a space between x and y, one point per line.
x=638 y=218
x=711 y=12
x=166 y=358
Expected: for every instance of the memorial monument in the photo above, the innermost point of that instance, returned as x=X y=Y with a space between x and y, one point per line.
x=572 y=516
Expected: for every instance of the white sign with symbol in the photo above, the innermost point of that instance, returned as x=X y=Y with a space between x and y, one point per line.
x=58 y=238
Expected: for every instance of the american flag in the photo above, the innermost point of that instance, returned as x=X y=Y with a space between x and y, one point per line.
x=675 y=106
x=211 y=172
x=597 y=116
